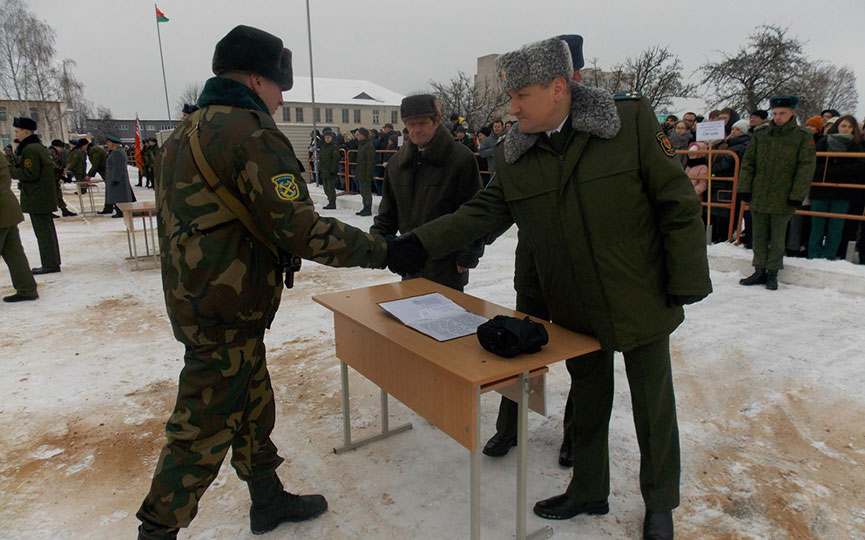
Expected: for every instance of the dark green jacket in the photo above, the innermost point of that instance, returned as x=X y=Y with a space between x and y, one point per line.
x=328 y=159
x=98 y=158
x=10 y=210
x=34 y=168
x=421 y=186
x=76 y=164
x=365 y=170
x=220 y=283
x=778 y=166
x=614 y=220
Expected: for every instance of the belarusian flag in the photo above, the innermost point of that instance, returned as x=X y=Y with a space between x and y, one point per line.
x=139 y=157
x=160 y=17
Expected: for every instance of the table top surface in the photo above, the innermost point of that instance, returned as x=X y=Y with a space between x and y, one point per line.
x=138 y=206
x=462 y=356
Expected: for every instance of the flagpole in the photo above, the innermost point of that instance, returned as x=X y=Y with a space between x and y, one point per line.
x=164 y=82
x=315 y=174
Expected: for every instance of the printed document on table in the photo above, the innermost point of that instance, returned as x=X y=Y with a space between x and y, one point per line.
x=434 y=315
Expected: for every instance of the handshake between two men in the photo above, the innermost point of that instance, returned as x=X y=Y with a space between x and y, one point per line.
x=405 y=254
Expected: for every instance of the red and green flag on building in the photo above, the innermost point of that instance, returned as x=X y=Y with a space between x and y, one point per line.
x=160 y=17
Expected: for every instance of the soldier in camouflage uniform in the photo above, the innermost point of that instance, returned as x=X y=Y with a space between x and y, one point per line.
x=222 y=286
x=149 y=154
x=57 y=152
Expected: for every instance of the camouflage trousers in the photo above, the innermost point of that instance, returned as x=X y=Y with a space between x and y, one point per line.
x=224 y=399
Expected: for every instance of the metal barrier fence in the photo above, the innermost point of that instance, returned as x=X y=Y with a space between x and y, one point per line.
x=714 y=200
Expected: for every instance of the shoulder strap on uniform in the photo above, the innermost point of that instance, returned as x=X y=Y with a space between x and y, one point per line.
x=233 y=204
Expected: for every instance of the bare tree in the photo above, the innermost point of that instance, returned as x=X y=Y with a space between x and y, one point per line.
x=657 y=73
x=612 y=81
x=189 y=95
x=826 y=86
x=767 y=66
x=479 y=105
x=14 y=22
x=73 y=95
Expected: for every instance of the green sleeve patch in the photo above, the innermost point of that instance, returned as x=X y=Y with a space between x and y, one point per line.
x=27 y=163
x=286 y=187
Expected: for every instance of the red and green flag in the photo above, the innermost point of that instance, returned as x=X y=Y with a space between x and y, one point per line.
x=160 y=17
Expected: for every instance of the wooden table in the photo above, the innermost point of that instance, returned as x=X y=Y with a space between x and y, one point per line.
x=441 y=381
x=146 y=210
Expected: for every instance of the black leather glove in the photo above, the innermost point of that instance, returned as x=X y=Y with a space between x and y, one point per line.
x=405 y=254
x=745 y=197
x=684 y=299
x=794 y=204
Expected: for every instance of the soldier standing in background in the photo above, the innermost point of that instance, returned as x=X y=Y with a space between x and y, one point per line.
x=11 y=249
x=117 y=188
x=150 y=150
x=774 y=179
x=229 y=196
x=34 y=168
x=57 y=152
x=328 y=163
x=365 y=170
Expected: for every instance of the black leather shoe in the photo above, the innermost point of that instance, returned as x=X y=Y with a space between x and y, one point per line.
x=757 y=278
x=658 y=525
x=329 y=206
x=67 y=213
x=566 y=454
x=19 y=298
x=499 y=445
x=41 y=270
x=272 y=505
x=106 y=211
x=772 y=280
x=563 y=507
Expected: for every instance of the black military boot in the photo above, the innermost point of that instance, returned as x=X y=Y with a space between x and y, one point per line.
x=658 y=525
x=499 y=445
x=107 y=209
x=330 y=206
x=365 y=211
x=757 y=278
x=772 y=280
x=144 y=534
x=67 y=213
x=272 y=505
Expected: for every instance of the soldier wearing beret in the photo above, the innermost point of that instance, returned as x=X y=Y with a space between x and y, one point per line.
x=230 y=197
x=623 y=249
x=57 y=151
x=430 y=176
x=774 y=179
x=34 y=168
x=11 y=250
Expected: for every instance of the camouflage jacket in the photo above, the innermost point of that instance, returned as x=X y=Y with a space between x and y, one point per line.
x=76 y=164
x=57 y=159
x=220 y=283
x=98 y=158
x=148 y=153
x=778 y=166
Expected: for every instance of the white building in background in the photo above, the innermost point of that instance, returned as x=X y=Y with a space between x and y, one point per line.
x=50 y=118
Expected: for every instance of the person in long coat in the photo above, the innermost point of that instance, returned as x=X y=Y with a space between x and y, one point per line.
x=117 y=186
x=11 y=249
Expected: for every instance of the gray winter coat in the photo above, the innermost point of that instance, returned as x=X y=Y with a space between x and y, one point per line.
x=117 y=188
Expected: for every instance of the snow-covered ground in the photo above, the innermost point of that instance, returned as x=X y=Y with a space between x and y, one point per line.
x=769 y=388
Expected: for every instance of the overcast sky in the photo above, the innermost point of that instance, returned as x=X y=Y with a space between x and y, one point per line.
x=401 y=45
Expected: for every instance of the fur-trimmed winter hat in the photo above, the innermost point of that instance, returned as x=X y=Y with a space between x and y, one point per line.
x=23 y=122
x=575 y=45
x=418 y=106
x=82 y=142
x=741 y=125
x=189 y=108
x=57 y=143
x=249 y=49
x=760 y=113
x=783 y=101
x=363 y=131
x=534 y=63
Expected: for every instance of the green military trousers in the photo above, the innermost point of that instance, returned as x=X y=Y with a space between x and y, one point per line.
x=16 y=260
x=224 y=399
x=651 y=383
x=46 y=237
x=768 y=239
x=506 y=423
x=329 y=184
x=365 y=185
x=60 y=202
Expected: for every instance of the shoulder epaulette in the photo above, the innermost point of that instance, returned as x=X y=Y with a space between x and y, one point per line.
x=501 y=139
x=619 y=96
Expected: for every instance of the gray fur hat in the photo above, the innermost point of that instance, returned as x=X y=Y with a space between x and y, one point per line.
x=534 y=63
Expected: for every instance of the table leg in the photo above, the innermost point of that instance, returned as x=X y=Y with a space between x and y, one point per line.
x=153 y=239
x=475 y=481
x=146 y=242
x=346 y=419
x=131 y=232
x=522 y=464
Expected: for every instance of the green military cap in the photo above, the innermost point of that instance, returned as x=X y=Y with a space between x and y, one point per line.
x=113 y=138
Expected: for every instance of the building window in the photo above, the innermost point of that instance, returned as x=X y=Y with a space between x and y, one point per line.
x=286 y=114
x=164 y=128
x=328 y=116
x=357 y=116
x=298 y=114
x=151 y=128
x=345 y=116
x=375 y=117
x=393 y=117
x=6 y=140
x=3 y=114
x=317 y=115
x=123 y=126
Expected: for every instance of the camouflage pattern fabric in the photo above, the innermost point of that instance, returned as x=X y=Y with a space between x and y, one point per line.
x=76 y=164
x=57 y=159
x=225 y=400
x=98 y=159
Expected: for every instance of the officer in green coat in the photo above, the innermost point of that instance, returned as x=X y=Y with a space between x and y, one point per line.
x=365 y=170
x=57 y=151
x=222 y=281
x=11 y=249
x=774 y=179
x=328 y=164
x=35 y=170
x=596 y=191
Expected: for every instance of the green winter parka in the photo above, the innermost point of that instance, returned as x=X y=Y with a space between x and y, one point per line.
x=614 y=219
x=365 y=170
x=35 y=169
x=328 y=159
x=10 y=210
x=778 y=167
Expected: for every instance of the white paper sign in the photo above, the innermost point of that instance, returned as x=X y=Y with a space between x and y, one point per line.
x=435 y=315
x=710 y=131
